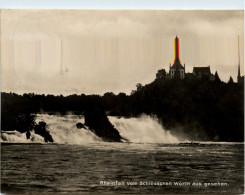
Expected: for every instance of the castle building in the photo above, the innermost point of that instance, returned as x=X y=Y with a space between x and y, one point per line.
x=203 y=72
x=177 y=70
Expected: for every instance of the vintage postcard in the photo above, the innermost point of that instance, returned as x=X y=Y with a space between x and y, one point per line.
x=122 y=101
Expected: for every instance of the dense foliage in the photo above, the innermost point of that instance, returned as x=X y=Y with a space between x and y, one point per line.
x=197 y=109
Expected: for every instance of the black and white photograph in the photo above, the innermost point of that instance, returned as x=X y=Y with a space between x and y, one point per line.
x=122 y=101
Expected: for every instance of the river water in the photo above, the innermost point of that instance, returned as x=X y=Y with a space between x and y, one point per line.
x=122 y=168
x=152 y=162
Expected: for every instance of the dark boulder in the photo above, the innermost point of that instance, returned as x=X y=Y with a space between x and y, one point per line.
x=42 y=129
x=96 y=120
x=80 y=126
x=28 y=134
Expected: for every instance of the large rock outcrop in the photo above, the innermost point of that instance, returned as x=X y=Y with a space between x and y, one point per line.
x=80 y=126
x=97 y=121
x=42 y=129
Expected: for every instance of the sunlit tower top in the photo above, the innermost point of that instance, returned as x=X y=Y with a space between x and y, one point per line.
x=176 y=44
x=177 y=70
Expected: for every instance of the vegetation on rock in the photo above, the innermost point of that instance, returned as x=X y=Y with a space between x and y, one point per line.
x=196 y=109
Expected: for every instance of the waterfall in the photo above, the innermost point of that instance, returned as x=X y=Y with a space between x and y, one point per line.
x=62 y=128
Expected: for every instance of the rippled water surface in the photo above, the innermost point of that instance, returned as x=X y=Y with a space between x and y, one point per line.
x=45 y=168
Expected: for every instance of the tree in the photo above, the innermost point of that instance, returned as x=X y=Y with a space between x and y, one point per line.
x=216 y=76
x=109 y=100
x=25 y=122
x=109 y=94
x=122 y=95
x=161 y=74
x=132 y=92
x=139 y=86
x=231 y=80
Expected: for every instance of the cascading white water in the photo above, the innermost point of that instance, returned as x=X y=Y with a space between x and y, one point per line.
x=17 y=137
x=63 y=130
x=144 y=129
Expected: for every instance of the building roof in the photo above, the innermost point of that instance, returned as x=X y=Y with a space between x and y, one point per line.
x=177 y=65
x=202 y=70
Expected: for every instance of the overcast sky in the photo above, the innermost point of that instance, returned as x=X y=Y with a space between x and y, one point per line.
x=97 y=51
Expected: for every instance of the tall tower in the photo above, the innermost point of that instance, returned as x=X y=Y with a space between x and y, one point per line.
x=239 y=74
x=177 y=70
x=176 y=44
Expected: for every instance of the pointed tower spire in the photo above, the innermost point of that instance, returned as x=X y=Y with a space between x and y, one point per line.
x=176 y=48
x=239 y=74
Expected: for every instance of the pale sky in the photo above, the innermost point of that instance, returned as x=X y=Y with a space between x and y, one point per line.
x=98 y=51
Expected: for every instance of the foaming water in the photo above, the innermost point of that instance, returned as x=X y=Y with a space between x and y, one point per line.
x=17 y=137
x=144 y=129
x=63 y=130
